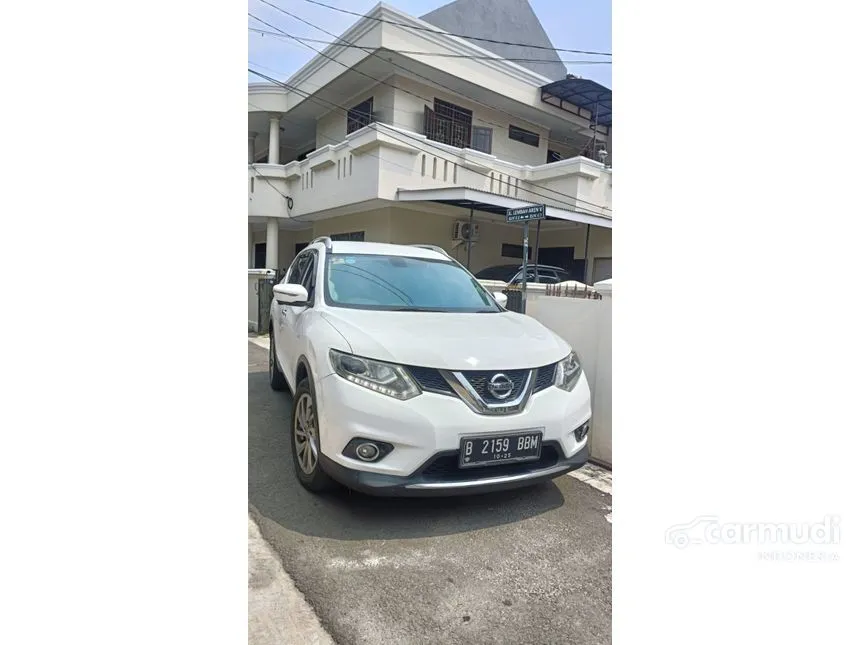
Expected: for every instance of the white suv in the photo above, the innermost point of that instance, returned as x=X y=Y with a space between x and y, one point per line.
x=410 y=378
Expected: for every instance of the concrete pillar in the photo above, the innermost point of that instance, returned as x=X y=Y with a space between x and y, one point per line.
x=272 y=243
x=252 y=153
x=274 y=137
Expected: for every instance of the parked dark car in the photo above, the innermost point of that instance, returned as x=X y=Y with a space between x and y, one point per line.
x=512 y=274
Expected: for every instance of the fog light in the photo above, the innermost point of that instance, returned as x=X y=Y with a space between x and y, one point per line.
x=581 y=432
x=367 y=451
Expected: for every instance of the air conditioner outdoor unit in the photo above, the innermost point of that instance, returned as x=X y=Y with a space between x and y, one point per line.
x=465 y=232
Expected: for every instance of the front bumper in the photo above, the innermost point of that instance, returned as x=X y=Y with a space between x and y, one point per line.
x=431 y=481
x=428 y=429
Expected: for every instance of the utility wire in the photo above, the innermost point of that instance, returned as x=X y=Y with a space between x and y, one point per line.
x=370 y=154
x=266 y=32
x=437 y=30
x=397 y=134
x=373 y=78
x=430 y=80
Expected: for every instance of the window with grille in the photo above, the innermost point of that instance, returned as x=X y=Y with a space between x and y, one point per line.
x=359 y=116
x=524 y=136
x=448 y=123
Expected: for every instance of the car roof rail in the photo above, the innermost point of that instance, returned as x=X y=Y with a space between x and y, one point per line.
x=432 y=247
x=325 y=239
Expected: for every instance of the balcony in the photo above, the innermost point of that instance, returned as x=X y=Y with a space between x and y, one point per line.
x=376 y=161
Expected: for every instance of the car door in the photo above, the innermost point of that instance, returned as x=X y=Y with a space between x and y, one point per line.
x=281 y=314
x=293 y=319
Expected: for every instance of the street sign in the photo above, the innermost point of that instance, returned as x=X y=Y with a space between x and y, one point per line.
x=525 y=214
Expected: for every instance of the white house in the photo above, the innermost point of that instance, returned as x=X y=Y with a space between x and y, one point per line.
x=404 y=132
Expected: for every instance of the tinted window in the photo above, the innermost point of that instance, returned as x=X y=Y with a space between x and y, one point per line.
x=309 y=276
x=524 y=136
x=496 y=273
x=297 y=270
x=515 y=251
x=482 y=139
x=392 y=283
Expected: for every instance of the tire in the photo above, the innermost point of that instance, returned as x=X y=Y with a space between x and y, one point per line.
x=305 y=441
x=277 y=381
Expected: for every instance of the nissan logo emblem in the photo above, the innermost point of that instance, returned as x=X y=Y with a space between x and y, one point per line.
x=500 y=386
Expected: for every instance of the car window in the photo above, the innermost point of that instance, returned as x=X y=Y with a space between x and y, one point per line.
x=297 y=269
x=309 y=276
x=392 y=283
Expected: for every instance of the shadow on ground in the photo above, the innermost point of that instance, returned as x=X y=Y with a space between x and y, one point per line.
x=345 y=515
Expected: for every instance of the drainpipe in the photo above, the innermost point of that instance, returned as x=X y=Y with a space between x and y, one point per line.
x=587 y=235
x=469 y=242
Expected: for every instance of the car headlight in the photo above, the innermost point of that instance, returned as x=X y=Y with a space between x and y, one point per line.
x=385 y=378
x=567 y=372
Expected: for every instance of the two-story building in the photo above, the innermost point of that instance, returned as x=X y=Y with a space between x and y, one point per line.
x=405 y=133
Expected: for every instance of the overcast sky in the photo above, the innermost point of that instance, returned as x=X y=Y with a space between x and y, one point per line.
x=570 y=24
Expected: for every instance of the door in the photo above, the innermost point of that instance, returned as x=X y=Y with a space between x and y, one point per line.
x=557 y=256
x=260 y=255
x=289 y=317
x=602 y=269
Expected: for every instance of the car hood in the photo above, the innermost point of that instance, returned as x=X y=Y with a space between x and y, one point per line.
x=455 y=341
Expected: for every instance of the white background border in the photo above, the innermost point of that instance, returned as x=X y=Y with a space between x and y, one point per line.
x=124 y=250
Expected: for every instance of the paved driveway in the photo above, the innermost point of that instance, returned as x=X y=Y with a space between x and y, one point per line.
x=530 y=566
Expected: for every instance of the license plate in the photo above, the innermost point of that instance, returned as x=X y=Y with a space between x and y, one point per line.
x=489 y=450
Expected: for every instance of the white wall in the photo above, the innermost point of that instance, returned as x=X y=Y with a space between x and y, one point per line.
x=587 y=326
x=407 y=226
x=409 y=113
x=399 y=225
x=331 y=127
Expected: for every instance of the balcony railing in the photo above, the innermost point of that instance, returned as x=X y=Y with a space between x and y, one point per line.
x=377 y=160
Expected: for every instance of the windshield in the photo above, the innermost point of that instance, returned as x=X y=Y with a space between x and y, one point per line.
x=397 y=283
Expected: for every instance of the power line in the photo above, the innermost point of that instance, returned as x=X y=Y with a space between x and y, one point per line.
x=396 y=134
x=266 y=32
x=369 y=154
x=437 y=31
x=373 y=78
x=423 y=98
x=425 y=142
x=332 y=139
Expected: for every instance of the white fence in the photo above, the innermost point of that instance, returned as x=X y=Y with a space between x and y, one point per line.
x=587 y=325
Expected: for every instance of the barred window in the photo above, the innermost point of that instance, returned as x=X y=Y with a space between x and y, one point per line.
x=359 y=116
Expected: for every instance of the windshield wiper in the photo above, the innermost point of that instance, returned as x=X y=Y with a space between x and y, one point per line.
x=426 y=309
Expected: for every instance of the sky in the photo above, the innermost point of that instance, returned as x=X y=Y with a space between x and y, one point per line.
x=570 y=24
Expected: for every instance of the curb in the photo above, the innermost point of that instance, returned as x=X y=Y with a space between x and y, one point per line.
x=278 y=613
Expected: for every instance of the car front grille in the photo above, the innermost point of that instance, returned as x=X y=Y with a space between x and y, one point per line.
x=430 y=380
x=480 y=380
x=545 y=377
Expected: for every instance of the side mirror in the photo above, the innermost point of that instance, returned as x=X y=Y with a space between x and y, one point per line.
x=290 y=294
x=501 y=298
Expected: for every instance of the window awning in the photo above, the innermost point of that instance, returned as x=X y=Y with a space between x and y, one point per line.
x=493 y=203
x=582 y=93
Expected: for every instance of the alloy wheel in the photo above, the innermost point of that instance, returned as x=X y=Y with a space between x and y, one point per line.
x=305 y=434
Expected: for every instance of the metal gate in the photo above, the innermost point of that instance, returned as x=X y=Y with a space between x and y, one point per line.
x=515 y=300
x=264 y=303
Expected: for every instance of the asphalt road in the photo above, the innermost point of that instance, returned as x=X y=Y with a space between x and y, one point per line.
x=529 y=566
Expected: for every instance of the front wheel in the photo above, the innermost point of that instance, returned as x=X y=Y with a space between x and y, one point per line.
x=306 y=441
